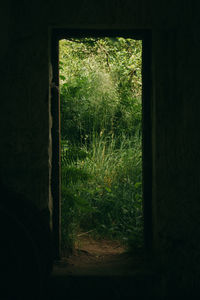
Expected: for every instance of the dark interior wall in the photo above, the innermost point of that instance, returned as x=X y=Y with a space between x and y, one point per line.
x=176 y=152
x=176 y=142
x=25 y=152
x=25 y=135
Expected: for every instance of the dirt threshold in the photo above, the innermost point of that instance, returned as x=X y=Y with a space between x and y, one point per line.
x=99 y=257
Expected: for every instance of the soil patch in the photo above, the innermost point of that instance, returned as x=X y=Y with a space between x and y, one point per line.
x=98 y=257
x=99 y=248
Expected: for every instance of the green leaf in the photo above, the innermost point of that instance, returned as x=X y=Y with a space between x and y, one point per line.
x=62 y=77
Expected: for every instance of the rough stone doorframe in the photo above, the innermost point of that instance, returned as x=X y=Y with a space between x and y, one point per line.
x=144 y=35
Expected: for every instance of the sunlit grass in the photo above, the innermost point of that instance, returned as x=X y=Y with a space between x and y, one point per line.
x=106 y=189
x=101 y=139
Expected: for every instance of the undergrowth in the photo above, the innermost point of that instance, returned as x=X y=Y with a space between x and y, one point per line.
x=101 y=191
x=101 y=140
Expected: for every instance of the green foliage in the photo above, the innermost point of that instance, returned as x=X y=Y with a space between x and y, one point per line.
x=101 y=138
x=100 y=88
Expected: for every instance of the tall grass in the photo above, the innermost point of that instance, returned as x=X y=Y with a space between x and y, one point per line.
x=101 y=139
x=104 y=192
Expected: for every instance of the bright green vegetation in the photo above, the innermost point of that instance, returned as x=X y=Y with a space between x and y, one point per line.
x=100 y=89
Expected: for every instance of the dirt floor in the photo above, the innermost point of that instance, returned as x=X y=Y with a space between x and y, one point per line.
x=98 y=257
x=98 y=248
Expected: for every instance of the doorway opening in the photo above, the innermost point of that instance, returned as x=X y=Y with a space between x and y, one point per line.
x=102 y=114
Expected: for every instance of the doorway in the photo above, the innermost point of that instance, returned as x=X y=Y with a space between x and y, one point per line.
x=103 y=137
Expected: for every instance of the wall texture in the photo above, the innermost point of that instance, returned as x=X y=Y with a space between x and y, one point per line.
x=176 y=148
x=25 y=120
